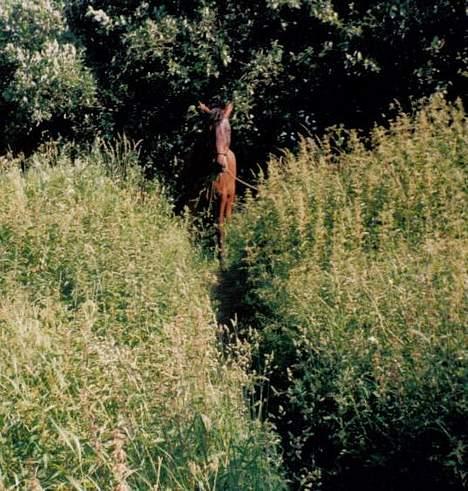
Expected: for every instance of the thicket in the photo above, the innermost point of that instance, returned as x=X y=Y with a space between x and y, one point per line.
x=46 y=89
x=110 y=377
x=81 y=67
x=352 y=265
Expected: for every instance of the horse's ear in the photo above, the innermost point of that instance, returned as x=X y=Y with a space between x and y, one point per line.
x=203 y=107
x=228 y=109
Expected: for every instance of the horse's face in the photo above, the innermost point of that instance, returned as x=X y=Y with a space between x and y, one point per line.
x=221 y=131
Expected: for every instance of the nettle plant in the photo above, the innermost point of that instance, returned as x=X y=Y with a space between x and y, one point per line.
x=43 y=79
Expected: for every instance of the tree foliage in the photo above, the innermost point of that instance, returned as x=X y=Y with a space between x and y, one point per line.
x=288 y=65
x=44 y=83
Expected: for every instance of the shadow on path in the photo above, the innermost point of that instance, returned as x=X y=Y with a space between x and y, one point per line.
x=231 y=314
x=228 y=293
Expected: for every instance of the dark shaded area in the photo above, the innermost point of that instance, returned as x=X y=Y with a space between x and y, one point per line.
x=289 y=68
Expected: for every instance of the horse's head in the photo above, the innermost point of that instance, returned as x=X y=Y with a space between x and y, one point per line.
x=219 y=125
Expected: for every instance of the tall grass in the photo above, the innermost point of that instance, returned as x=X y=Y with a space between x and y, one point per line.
x=352 y=265
x=109 y=373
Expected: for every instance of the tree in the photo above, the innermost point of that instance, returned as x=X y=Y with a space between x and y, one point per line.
x=44 y=84
x=289 y=66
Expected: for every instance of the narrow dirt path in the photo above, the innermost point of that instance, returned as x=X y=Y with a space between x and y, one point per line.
x=227 y=292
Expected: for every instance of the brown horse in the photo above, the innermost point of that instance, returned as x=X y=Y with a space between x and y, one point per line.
x=223 y=188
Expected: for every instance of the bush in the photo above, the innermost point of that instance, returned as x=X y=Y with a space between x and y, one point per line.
x=353 y=263
x=45 y=88
x=110 y=376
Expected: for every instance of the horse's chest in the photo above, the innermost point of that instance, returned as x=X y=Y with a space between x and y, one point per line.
x=224 y=184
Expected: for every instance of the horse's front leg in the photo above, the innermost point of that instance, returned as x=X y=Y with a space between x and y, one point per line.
x=220 y=226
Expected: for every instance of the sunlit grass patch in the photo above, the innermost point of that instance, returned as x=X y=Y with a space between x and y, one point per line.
x=110 y=377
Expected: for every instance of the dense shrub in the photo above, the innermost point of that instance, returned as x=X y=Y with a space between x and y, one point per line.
x=45 y=87
x=110 y=376
x=352 y=266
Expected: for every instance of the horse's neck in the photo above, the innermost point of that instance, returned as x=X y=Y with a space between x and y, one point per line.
x=223 y=133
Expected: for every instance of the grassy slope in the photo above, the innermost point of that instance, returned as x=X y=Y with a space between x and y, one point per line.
x=353 y=268
x=109 y=372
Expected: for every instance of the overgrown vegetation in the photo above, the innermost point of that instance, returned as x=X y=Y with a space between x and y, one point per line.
x=350 y=263
x=109 y=373
x=352 y=266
